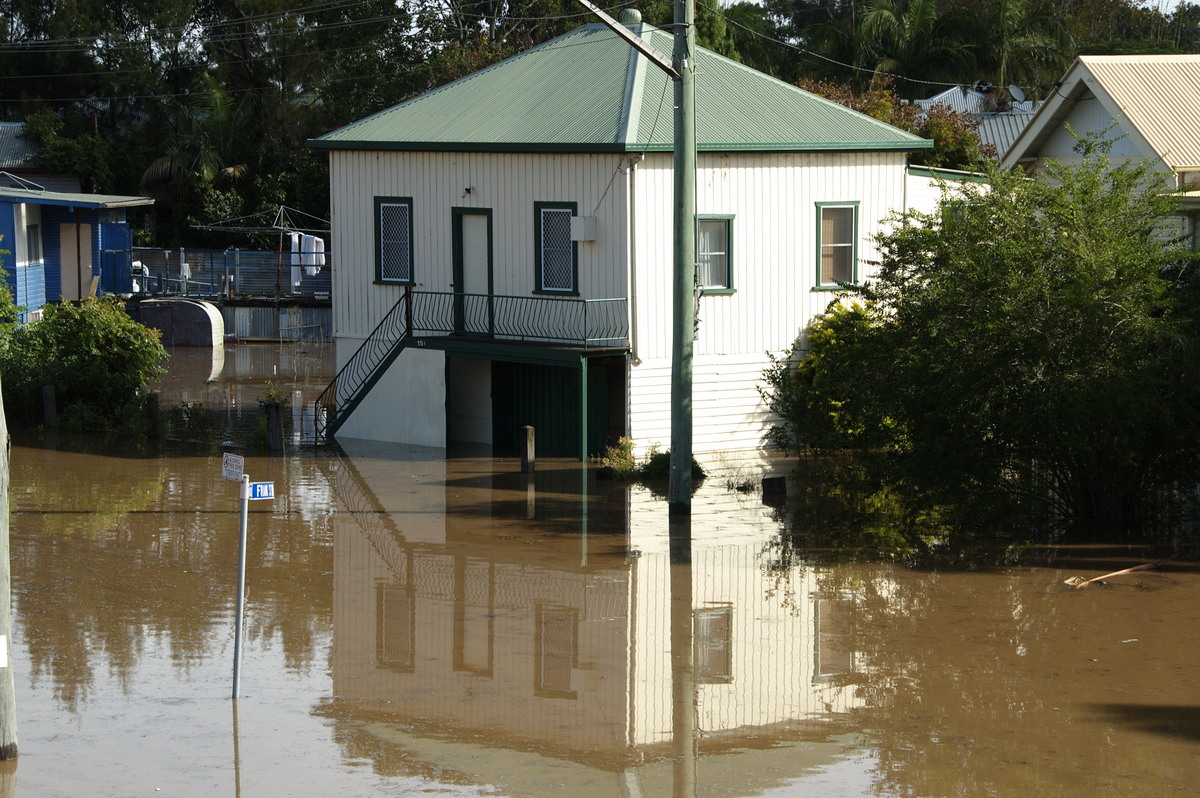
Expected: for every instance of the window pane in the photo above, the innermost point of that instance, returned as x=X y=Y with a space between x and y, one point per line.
x=395 y=245
x=712 y=237
x=33 y=243
x=837 y=225
x=837 y=245
x=837 y=265
x=714 y=645
x=558 y=253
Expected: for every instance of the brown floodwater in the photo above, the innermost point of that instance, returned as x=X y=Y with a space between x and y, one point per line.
x=418 y=624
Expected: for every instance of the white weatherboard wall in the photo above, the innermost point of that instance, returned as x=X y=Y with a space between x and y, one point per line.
x=409 y=403
x=773 y=200
x=508 y=184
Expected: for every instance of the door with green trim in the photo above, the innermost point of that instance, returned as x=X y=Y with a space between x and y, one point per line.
x=473 y=304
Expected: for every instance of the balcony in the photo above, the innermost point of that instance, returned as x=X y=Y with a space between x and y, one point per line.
x=566 y=322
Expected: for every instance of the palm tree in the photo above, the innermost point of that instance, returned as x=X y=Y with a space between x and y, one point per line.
x=203 y=155
x=1022 y=42
x=912 y=39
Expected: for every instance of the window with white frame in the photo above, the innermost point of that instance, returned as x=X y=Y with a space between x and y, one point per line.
x=394 y=240
x=33 y=244
x=555 y=252
x=714 y=247
x=837 y=244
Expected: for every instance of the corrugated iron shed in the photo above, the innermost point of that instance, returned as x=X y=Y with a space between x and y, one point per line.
x=15 y=151
x=589 y=91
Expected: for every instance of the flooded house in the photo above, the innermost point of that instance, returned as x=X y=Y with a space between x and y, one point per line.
x=505 y=246
x=64 y=245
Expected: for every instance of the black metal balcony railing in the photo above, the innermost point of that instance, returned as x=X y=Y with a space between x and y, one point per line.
x=567 y=321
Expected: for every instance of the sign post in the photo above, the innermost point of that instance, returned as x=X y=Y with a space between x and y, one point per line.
x=241 y=587
x=233 y=468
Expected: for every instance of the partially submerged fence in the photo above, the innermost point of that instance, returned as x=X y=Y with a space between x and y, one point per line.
x=214 y=273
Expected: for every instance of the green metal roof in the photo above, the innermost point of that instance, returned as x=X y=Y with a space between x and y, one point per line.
x=589 y=91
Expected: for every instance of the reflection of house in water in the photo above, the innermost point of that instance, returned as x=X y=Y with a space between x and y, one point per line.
x=469 y=637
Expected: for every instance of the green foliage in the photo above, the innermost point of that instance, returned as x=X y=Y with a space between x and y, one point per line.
x=273 y=395
x=955 y=136
x=620 y=459
x=1031 y=344
x=98 y=359
x=806 y=389
x=654 y=469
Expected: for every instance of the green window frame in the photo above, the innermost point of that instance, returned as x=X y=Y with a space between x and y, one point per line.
x=837 y=245
x=714 y=254
x=394 y=240
x=556 y=255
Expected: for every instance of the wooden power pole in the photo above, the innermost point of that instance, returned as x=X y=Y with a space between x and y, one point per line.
x=681 y=68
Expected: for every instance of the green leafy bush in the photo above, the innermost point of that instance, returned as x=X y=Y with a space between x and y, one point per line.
x=98 y=359
x=1031 y=344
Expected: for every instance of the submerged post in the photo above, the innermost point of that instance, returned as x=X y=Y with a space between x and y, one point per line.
x=528 y=456
x=8 y=712
x=241 y=588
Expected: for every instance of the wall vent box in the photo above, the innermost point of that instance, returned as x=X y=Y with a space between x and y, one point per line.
x=583 y=228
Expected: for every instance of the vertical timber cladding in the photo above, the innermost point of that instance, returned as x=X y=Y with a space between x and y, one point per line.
x=547 y=399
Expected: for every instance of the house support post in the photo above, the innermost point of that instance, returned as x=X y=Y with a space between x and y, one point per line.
x=583 y=409
x=679 y=494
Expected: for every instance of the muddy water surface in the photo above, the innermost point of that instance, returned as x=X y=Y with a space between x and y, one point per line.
x=419 y=624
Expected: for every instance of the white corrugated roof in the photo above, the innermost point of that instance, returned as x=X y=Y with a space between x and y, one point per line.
x=1156 y=98
x=1160 y=95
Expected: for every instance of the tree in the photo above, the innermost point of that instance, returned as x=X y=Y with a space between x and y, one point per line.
x=955 y=138
x=911 y=38
x=1031 y=341
x=98 y=359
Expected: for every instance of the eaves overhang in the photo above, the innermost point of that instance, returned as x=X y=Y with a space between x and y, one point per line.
x=72 y=200
x=593 y=148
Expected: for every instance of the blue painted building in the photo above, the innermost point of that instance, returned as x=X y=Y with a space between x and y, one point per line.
x=64 y=245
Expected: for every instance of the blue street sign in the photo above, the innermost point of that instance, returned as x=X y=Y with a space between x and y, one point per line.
x=262 y=490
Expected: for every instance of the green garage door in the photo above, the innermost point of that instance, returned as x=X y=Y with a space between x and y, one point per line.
x=547 y=399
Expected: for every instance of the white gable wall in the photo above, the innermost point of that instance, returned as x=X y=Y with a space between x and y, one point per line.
x=773 y=198
x=409 y=404
x=508 y=184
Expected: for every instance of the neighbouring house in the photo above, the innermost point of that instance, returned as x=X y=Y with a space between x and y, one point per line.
x=1147 y=106
x=18 y=157
x=505 y=247
x=63 y=245
x=1000 y=120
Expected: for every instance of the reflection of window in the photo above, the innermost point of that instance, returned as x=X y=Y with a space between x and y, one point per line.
x=556 y=651
x=556 y=264
x=393 y=240
x=33 y=244
x=394 y=626
x=832 y=650
x=714 y=645
x=474 y=616
x=714 y=236
x=837 y=259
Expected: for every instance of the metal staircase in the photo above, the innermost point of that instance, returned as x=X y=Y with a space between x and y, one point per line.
x=365 y=368
x=425 y=315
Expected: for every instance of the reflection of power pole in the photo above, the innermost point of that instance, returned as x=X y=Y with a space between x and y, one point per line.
x=681 y=69
x=8 y=711
x=683 y=660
